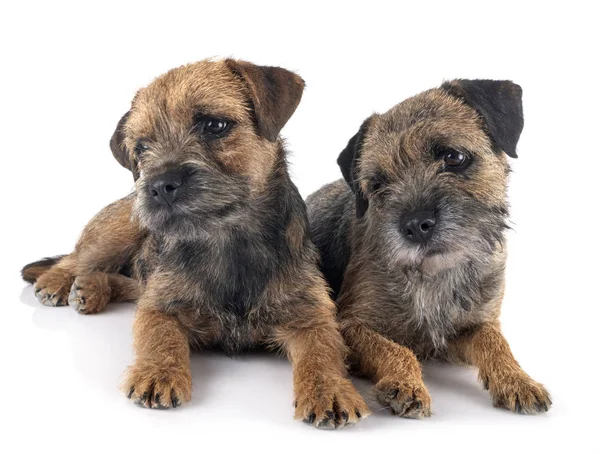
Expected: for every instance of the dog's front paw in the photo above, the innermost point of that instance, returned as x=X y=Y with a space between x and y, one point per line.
x=89 y=294
x=330 y=404
x=52 y=287
x=518 y=393
x=152 y=386
x=409 y=399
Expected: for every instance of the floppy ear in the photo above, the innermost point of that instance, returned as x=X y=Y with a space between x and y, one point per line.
x=119 y=150
x=499 y=104
x=348 y=161
x=275 y=93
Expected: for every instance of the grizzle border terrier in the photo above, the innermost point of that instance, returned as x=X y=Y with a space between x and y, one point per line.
x=413 y=242
x=213 y=243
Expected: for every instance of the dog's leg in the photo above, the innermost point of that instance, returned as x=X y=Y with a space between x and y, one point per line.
x=324 y=396
x=510 y=387
x=393 y=368
x=161 y=375
x=90 y=293
x=107 y=244
x=32 y=271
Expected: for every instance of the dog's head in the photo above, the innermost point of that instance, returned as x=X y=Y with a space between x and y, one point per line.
x=430 y=175
x=201 y=140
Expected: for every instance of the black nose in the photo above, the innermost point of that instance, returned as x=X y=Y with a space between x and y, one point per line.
x=164 y=187
x=418 y=227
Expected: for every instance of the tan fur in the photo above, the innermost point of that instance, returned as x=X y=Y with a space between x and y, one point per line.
x=195 y=299
x=393 y=368
x=510 y=387
x=91 y=292
x=317 y=352
x=161 y=376
x=54 y=285
x=105 y=246
x=403 y=299
x=458 y=124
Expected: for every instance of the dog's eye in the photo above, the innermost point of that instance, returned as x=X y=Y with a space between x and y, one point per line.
x=455 y=159
x=378 y=183
x=140 y=147
x=211 y=126
x=215 y=126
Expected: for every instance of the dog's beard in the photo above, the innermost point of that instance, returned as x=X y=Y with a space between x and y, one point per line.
x=201 y=210
x=171 y=222
x=463 y=233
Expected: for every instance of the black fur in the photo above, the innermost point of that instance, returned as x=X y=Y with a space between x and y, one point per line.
x=233 y=272
x=348 y=161
x=499 y=103
x=120 y=151
x=43 y=263
x=331 y=234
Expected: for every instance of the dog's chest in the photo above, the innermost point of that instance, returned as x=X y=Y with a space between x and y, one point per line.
x=233 y=275
x=225 y=287
x=435 y=308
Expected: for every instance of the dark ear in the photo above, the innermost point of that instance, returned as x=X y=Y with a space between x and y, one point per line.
x=348 y=161
x=499 y=103
x=275 y=93
x=119 y=150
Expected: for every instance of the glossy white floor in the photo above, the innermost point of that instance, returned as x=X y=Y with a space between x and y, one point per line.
x=71 y=74
x=62 y=393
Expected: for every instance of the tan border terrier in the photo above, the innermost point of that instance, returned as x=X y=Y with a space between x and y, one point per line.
x=412 y=242
x=214 y=242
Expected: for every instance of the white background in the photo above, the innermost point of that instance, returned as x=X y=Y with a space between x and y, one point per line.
x=68 y=72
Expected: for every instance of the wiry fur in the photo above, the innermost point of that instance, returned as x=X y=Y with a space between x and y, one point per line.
x=427 y=296
x=230 y=264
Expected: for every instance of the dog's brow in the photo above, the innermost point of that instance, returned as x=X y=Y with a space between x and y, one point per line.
x=438 y=145
x=204 y=110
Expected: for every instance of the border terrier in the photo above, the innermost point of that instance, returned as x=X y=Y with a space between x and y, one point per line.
x=213 y=243
x=412 y=243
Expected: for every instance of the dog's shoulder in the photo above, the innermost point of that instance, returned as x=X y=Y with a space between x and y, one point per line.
x=328 y=205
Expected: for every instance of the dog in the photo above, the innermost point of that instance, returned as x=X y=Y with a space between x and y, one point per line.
x=413 y=246
x=213 y=244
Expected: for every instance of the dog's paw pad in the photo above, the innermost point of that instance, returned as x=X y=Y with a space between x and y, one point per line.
x=406 y=399
x=332 y=407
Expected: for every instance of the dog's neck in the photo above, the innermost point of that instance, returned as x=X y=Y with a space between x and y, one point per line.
x=266 y=239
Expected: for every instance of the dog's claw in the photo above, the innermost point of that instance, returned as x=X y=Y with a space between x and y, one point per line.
x=174 y=401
